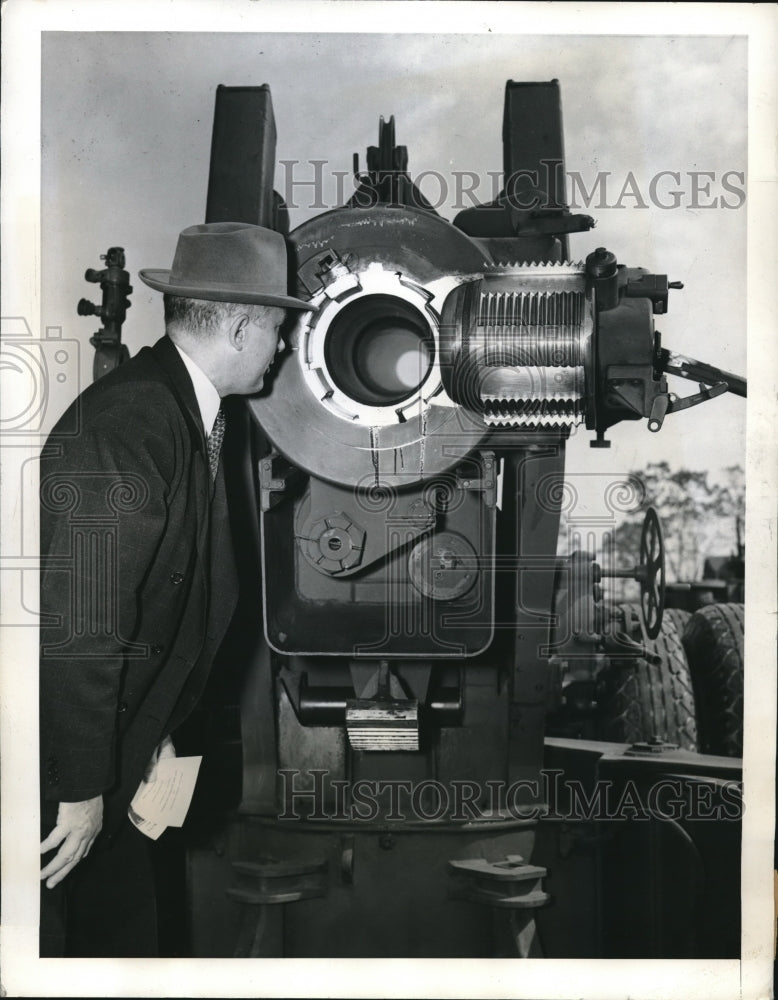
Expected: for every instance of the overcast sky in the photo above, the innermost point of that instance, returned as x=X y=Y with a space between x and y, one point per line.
x=126 y=132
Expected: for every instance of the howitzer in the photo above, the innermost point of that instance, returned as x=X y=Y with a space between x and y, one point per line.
x=411 y=654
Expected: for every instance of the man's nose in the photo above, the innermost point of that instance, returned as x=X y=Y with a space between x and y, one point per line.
x=281 y=345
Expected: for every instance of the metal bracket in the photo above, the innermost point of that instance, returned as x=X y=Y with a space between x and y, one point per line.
x=655 y=745
x=705 y=393
x=699 y=371
x=510 y=885
x=336 y=275
x=261 y=888
x=487 y=483
x=383 y=718
x=276 y=477
x=712 y=381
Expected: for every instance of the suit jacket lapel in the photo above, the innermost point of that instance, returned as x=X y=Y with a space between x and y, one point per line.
x=181 y=384
x=221 y=570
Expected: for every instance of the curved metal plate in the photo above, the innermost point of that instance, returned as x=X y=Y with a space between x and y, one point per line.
x=416 y=248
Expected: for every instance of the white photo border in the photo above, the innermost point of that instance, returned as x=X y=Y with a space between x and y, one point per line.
x=23 y=973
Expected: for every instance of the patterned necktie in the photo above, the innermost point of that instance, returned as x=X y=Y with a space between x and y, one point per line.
x=215 y=439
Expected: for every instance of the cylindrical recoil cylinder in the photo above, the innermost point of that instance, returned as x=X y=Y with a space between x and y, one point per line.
x=516 y=346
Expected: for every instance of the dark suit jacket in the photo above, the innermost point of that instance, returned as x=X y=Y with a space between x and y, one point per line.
x=129 y=624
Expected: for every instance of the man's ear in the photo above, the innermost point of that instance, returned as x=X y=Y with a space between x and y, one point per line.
x=236 y=331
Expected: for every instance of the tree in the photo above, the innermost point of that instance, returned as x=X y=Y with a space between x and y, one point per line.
x=699 y=518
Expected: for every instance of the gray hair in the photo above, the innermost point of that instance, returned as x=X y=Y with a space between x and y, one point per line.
x=202 y=316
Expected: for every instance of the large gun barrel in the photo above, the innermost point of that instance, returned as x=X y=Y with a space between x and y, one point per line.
x=418 y=348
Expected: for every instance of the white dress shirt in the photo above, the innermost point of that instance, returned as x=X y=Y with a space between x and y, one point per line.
x=208 y=399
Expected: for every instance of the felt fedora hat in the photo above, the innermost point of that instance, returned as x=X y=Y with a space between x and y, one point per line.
x=227 y=262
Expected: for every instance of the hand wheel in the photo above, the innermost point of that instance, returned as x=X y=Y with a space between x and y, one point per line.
x=651 y=573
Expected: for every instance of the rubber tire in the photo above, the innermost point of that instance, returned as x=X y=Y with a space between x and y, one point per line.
x=713 y=640
x=639 y=700
x=679 y=617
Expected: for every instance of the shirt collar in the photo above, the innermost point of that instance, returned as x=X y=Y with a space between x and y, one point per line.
x=208 y=399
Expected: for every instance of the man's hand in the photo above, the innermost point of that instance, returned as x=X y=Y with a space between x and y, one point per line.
x=78 y=823
x=165 y=749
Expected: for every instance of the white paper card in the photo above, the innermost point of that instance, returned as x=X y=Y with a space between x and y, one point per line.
x=165 y=801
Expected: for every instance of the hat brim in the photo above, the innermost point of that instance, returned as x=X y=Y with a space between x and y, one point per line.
x=159 y=280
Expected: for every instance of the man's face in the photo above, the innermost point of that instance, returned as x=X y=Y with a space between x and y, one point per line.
x=262 y=342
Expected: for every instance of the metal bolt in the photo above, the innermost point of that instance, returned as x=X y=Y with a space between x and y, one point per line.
x=447 y=560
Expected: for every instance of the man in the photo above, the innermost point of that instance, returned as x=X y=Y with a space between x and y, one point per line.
x=137 y=580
